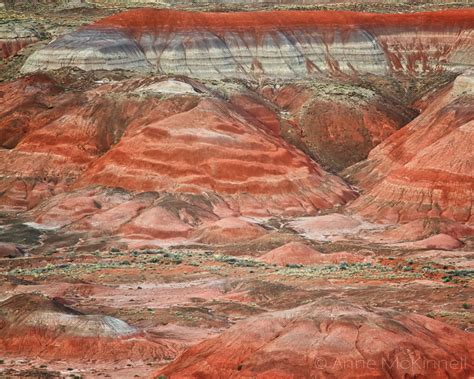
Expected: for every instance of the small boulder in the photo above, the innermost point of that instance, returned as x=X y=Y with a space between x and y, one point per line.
x=10 y=250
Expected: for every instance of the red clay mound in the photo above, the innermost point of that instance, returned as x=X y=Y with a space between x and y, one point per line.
x=214 y=148
x=156 y=223
x=300 y=253
x=438 y=241
x=331 y=340
x=50 y=136
x=424 y=228
x=426 y=168
x=182 y=143
x=293 y=252
x=33 y=325
x=229 y=230
x=10 y=250
x=151 y=216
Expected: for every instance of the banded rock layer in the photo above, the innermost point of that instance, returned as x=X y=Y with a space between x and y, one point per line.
x=330 y=340
x=10 y=250
x=426 y=169
x=212 y=147
x=178 y=139
x=284 y=44
x=228 y=2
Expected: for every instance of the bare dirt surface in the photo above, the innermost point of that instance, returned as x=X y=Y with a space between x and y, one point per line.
x=184 y=296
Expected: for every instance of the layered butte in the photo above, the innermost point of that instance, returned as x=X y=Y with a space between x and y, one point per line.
x=151 y=135
x=281 y=44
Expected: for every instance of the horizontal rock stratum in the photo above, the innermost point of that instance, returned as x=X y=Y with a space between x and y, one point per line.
x=280 y=44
